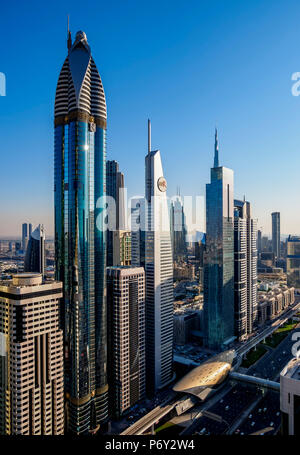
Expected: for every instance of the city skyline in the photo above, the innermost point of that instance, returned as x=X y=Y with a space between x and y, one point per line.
x=166 y=301
x=269 y=141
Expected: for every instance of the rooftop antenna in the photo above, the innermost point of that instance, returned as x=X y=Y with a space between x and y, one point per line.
x=149 y=136
x=69 y=41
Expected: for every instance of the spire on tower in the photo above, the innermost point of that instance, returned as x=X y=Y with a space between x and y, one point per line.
x=69 y=40
x=216 y=157
x=149 y=137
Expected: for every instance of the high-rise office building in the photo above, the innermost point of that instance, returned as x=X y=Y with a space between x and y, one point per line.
x=219 y=257
x=26 y=233
x=178 y=229
x=199 y=251
x=24 y=236
x=35 y=253
x=17 y=247
x=259 y=241
x=126 y=333
x=31 y=357
x=245 y=269
x=276 y=234
x=138 y=232
x=159 y=275
x=266 y=244
x=115 y=189
x=79 y=183
x=121 y=248
x=293 y=261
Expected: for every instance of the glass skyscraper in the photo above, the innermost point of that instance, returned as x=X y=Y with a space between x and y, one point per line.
x=80 y=148
x=24 y=236
x=219 y=258
x=178 y=229
x=35 y=253
x=276 y=234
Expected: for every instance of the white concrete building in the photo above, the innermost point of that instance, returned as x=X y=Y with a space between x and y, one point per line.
x=159 y=274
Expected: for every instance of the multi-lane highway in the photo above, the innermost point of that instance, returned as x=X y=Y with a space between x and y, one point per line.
x=238 y=395
x=245 y=410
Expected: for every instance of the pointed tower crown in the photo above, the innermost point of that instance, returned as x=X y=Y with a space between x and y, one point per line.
x=79 y=85
x=216 y=157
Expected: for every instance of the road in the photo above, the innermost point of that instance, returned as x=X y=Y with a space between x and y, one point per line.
x=249 y=410
x=268 y=330
x=153 y=416
x=239 y=398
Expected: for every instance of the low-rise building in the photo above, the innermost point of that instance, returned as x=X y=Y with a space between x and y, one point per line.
x=272 y=302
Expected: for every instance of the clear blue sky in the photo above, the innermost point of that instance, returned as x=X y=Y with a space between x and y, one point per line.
x=186 y=65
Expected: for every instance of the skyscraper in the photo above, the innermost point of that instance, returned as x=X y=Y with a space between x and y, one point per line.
x=31 y=357
x=276 y=234
x=219 y=257
x=259 y=241
x=178 y=229
x=35 y=253
x=126 y=304
x=245 y=269
x=138 y=232
x=122 y=248
x=293 y=261
x=115 y=189
x=79 y=183
x=24 y=236
x=159 y=275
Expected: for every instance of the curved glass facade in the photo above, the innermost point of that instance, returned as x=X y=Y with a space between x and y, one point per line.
x=35 y=253
x=80 y=262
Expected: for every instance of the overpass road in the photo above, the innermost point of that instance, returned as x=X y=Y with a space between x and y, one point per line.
x=145 y=422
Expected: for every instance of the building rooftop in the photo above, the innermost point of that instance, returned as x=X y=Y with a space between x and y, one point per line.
x=292 y=369
x=293 y=238
x=22 y=283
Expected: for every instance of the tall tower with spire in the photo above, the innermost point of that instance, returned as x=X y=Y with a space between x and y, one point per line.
x=159 y=274
x=219 y=258
x=69 y=38
x=79 y=182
